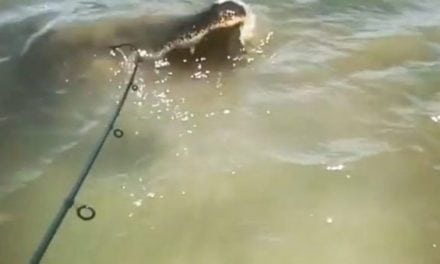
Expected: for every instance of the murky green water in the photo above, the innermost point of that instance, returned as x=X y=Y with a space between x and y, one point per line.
x=324 y=149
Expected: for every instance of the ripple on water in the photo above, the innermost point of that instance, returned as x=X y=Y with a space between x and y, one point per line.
x=87 y=127
x=335 y=153
x=4 y=59
x=65 y=147
x=379 y=54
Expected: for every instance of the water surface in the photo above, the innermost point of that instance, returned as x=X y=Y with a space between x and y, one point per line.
x=323 y=149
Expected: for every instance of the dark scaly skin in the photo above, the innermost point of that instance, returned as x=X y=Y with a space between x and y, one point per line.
x=220 y=15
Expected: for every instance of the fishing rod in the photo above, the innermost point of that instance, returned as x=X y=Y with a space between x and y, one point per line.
x=70 y=199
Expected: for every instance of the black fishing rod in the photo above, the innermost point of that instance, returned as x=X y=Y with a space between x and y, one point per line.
x=70 y=199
